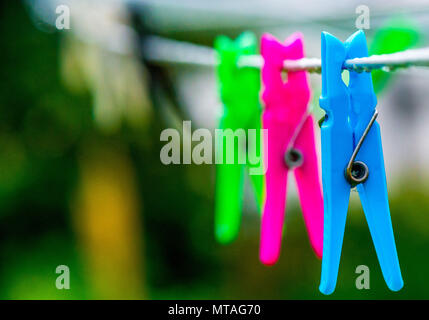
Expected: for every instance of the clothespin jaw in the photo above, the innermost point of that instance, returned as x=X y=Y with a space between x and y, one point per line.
x=239 y=90
x=362 y=95
x=337 y=148
x=290 y=128
x=373 y=191
x=239 y=86
x=295 y=89
x=334 y=91
x=350 y=117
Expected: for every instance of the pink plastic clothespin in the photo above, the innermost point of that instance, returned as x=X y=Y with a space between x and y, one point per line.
x=291 y=145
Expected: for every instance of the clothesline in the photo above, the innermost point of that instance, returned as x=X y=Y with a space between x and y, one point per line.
x=161 y=50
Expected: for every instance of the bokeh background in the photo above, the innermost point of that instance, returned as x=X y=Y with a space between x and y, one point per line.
x=82 y=185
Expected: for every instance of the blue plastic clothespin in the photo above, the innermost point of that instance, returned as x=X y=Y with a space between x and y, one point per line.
x=349 y=130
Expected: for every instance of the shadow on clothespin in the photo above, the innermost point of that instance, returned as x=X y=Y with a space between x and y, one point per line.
x=239 y=90
x=352 y=155
x=291 y=147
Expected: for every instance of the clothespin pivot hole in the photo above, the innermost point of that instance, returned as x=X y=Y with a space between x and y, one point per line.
x=293 y=158
x=357 y=173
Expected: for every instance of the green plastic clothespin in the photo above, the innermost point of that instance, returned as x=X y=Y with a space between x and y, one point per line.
x=399 y=33
x=239 y=91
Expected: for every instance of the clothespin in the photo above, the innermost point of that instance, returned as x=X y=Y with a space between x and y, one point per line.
x=239 y=91
x=352 y=155
x=291 y=146
x=397 y=34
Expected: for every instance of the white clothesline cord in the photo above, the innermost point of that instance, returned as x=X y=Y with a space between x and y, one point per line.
x=120 y=38
x=161 y=50
x=402 y=59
